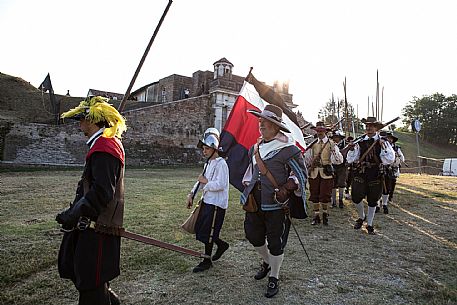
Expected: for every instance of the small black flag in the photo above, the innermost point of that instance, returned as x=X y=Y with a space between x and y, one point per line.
x=46 y=85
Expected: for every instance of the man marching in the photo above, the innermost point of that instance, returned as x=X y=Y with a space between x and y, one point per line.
x=320 y=159
x=89 y=258
x=276 y=174
x=368 y=157
x=392 y=172
x=339 y=179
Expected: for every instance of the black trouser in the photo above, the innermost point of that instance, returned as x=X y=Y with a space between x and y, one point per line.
x=272 y=225
x=361 y=187
x=97 y=296
x=390 y=186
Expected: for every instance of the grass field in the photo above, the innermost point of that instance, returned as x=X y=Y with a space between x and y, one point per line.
x=412 y=259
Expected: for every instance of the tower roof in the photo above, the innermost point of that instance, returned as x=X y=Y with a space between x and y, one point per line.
x=223 y=60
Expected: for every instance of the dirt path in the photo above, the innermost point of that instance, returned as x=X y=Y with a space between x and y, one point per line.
x=412 y=260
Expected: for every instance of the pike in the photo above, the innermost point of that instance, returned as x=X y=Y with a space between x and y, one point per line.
x=143 y=58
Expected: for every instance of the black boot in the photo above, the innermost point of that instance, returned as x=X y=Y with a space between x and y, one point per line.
x=264 y=269
x=386 y=209
x=272 y=288
x=205 y=265
x=222 y=246
x=316 y=220
x=325 y=219
x=341 y=204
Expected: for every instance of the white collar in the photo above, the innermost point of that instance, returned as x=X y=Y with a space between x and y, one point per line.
x=375 y=137
x=94 y=137
x=323 y=140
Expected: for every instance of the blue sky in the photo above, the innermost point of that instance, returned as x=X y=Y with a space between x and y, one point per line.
x=312 y=44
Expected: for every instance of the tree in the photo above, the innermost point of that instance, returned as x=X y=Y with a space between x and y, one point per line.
x=437 y=114
x=334 y=110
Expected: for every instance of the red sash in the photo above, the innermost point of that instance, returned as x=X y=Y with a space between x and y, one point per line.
x=112 y=146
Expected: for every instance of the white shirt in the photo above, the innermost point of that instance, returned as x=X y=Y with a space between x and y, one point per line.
x=216 y=191
x=387 y=154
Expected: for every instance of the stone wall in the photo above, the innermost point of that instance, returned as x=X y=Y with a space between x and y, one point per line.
x=160 y=134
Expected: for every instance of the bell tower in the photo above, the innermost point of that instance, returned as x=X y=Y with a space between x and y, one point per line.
x=223 y=69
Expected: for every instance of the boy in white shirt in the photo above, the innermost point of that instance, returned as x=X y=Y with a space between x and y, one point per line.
x=214 y=183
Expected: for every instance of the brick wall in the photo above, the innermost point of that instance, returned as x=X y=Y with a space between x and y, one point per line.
x=160 y=134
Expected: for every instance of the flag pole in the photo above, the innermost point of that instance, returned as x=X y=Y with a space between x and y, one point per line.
x=127 y=93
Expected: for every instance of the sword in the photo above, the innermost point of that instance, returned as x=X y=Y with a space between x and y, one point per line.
x=299 y=239
x=161 y=244
x=85 y=223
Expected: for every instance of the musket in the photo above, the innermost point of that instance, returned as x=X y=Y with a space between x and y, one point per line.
x=305 y=126
x=317 y=139
x=360 y=138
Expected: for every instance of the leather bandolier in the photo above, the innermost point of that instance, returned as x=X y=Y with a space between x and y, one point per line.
x=370 y=166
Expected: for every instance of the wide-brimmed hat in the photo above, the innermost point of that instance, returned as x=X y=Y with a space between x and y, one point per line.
x=273 y=114
x=97 y=110
x=338 y=133
x=390 y=134
x=371 y=120
x=320 y=126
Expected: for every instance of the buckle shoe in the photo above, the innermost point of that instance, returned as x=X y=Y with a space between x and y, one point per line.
x=370 y=230
x=272 y=287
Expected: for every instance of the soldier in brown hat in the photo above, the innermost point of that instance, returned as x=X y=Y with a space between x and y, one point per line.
x=368 y=157
x=275 y=178
x=320 y=159
x=392 y=172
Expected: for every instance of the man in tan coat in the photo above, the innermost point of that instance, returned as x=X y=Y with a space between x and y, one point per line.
x=319 y=159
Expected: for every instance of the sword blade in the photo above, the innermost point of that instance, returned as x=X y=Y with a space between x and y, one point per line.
x=160 y=244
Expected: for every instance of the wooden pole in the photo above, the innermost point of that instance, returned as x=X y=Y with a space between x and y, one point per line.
x=135 y=75
x=382 y=102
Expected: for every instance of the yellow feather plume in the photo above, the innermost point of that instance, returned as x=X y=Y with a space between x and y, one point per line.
x=98 y=110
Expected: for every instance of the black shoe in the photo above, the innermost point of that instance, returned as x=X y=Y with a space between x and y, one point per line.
x=370 y=230
x=386 y=209
x=220 y=250
x=264 y=269
x=358 y=223
x=316 y=220
x=204 y=265
x=113 y=297
x=341 y=204
x=272 y=288
x=325 y=219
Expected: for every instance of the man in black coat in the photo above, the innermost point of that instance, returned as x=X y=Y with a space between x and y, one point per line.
x=88 y=257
